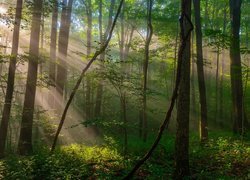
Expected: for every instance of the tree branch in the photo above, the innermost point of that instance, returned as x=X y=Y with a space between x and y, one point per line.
x=97 y=53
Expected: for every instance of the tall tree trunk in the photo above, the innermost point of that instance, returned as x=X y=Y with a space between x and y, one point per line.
x=206 y=14
x=145 y=68
x=122 y=39
x=42 y=42
x=89 y=44
x=221 y=97
x=200 y=73
x=193 y=96
x=235 y=66
x=217 y=83
x=63 y=46
x=11 y=79
x=53 y=37
x=25 y=139
x=99 y=91
x=183 y=102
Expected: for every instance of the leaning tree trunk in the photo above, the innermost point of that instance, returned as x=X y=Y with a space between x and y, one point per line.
x=11 y=79
x=76 y=87
x=200 y=73
x=25 y=139
x=235 y=66
x=183 y=102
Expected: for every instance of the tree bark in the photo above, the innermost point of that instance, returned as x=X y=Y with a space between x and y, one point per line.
x=183 y=103
x=200 y=73
x=184 y=41
x=145 y=69
x=11 y=79
x=63 y=46
x=53 y=36
x=235 y=66
x=25 y=139
x=89 y=44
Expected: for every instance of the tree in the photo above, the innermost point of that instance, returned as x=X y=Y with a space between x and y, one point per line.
x=235 y=66
x=89 y=44
x=97 y=53
x=25 y=139
x=200 y=72
x=63 y=46
x=53 y=35
x=145 y=69
x=183 y=102
x=103 y=38
x=11 y=78
x=185 y=34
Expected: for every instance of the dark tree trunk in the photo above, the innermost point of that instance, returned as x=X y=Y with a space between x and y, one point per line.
x=200 y=73
x=145 y=69
x=235 y=66
x=193 y=96
x=25 y=139
x=53 y=36
x=11 y=79
x=63 y=46
x=183 y=102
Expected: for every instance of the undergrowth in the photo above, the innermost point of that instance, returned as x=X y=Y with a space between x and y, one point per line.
x=221 y=158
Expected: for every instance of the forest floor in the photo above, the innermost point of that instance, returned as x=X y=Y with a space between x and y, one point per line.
x=223 y=157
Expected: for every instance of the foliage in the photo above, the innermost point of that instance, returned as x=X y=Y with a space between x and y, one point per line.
x=223 y=157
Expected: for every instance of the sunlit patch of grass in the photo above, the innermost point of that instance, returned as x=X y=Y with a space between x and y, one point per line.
x=222 y=157
x=68 y=162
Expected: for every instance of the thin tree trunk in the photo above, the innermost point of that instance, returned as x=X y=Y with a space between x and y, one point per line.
x=221 y=97
x=11 y=79
x=53 y=36
x=42 y=43
x=89 y=44
x=200 y=73
x=99 y=94
x=217 y=83
x=25 y=139
x=145 y=68
x=193 y=100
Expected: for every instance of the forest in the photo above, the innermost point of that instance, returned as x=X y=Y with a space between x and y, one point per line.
x=124 y=89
